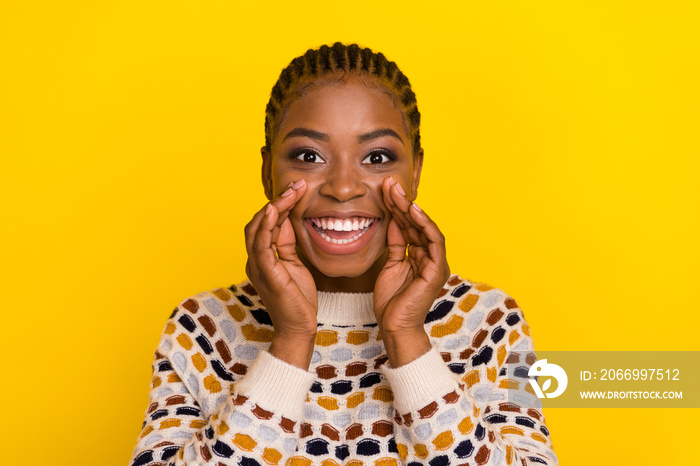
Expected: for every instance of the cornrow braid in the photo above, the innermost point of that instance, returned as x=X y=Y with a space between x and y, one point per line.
x=341 y=60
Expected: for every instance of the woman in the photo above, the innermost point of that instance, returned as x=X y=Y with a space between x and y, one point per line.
x=350 y=343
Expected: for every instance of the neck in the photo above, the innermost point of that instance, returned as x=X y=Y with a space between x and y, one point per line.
x=363 y=283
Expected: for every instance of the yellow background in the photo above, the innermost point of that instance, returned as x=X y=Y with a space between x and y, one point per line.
x=561 y=145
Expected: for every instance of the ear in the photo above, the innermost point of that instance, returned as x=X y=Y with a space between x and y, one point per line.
x=417 y=167
x=266 y=171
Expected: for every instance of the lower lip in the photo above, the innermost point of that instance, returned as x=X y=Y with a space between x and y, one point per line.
x=334 y=248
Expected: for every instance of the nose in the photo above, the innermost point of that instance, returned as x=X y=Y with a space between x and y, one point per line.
x=343 y=182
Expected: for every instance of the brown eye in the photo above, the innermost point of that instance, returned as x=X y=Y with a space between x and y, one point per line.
x=308 y=157
x=376 y=158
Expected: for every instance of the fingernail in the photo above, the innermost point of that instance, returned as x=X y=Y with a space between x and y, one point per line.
x=400 y=189
x=287 y=192
x=415 y=206
x=299 y=184
x=291 y=183
x=391 y=181
x=269 y=208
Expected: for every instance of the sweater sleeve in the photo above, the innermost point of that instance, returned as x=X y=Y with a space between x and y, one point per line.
x=256 y=419
x=441 y=419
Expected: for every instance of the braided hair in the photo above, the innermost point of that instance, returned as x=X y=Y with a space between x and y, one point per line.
x=337 y=63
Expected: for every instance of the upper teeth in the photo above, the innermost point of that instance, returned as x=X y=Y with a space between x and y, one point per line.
x=339 y=224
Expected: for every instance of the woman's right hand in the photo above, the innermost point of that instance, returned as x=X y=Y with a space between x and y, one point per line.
x=283 y=283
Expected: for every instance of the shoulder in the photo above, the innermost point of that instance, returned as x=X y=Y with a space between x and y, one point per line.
x=217 y=300
x=470 y=314
x=212 y=338
x=471 y=298
x=216 y=322
x=221 y=304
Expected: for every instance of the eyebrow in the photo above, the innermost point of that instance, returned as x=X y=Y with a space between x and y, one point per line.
x=309 y=133
x=377 y=134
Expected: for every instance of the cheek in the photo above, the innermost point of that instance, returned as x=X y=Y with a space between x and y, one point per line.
x=297 y=212
x=302 y=205
x=405 y=177
x=281 y=184
x=281 y=176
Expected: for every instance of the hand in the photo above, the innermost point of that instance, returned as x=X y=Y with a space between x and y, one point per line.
x=409 y=283
x=283 y=283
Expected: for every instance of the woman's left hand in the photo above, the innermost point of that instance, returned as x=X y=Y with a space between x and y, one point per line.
x=408 y=285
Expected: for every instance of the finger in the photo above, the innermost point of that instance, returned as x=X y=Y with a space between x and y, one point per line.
x=418 y=259
x=388 y=186
x=286 y=243
x=299 y=189
x=417 y=254
x=268 y=268
x=263 y=230
x=262 y=249
x=403 y=204
x=395 y=242
x=286 y=201
x=387 y=183
x=252 y=227
x=398 y=204
x=431 y=259
x=435 y=238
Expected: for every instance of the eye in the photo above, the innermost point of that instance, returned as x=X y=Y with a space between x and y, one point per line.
x=307 y=156
x=378 y=157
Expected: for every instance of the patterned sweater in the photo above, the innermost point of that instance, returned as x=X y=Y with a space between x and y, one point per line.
x=219 y=398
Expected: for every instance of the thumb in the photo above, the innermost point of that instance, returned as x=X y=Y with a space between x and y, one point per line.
x=286 y=242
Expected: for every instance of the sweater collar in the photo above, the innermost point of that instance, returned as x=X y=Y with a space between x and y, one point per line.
x=346 y=308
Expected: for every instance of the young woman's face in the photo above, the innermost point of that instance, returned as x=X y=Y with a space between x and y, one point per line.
x=344 y=140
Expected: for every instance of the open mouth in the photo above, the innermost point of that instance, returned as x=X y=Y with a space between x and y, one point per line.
x=341 y=230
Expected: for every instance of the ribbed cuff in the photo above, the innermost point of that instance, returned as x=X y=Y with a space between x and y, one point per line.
x=277 y=386
x=420 y=382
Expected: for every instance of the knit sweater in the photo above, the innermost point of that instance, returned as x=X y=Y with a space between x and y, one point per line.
x=219 y=398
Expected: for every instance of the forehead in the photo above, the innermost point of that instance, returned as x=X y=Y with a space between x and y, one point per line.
x=340 y=109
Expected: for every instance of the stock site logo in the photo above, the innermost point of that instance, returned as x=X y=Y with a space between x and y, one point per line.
x=542 y=368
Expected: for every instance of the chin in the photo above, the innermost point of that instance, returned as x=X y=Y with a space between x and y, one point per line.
x=345 y=266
